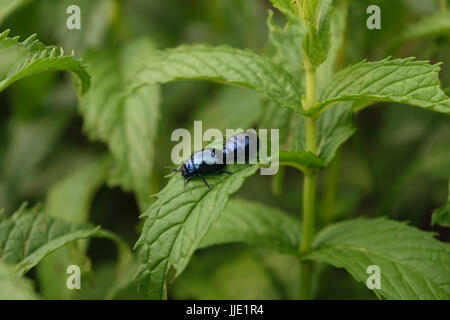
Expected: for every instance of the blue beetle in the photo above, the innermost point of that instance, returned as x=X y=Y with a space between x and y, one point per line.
x=241 y=148
x=200 y=163
x=211 y=160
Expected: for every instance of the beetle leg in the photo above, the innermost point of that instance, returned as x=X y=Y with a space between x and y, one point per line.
x=204 y=181
x=186 y=182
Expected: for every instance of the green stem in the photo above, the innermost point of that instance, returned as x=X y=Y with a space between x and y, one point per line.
x=277 y=182
x=309 y=187
x=444 y=5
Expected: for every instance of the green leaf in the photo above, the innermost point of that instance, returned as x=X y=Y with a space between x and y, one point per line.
x=13 y=287
x=300 y=160
x=28 y=236
x=124 y=119
x=224 y=65
x=256 y=224
x=336 y=53
x=316 y=43
x=441 y=216
x=435 y=25
x=413 y=264
x=22 y=59
x=177 y=222
x=400 y=80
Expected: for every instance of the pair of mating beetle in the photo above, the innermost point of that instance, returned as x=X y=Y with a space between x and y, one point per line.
x=211 y=160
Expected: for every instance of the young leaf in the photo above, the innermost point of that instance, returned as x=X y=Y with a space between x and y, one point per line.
x=125 y=119
x=177 y=222
x=28 y=236
x=316 y=43
x=441 y=216
x=436 y=25
x=413 y=264
x=22 y=59
x=256 y=224
x=400 y=80
x=224 y=65
x=13 y=287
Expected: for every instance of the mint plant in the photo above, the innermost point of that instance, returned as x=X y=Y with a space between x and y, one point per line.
x=300 y=84
x=179 y=221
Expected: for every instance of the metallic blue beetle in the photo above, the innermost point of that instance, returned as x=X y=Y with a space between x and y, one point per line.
x=241 y=148
x=236 y=149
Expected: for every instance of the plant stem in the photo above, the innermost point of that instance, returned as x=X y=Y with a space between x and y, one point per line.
x=309 y=187
x=444 y=5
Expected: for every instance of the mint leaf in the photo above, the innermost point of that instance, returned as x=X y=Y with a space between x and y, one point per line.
x=126 y=120
x=300 y=160
x=22 y=59
x=316 y=43
x=400 y=80
x=441 y=216
x=224 y=65
x=177 y=222
x=256 y=224
x=413 y=264
x=13 y=287
x=28 y=236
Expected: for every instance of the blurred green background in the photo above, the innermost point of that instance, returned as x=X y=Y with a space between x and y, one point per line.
x=397 y=164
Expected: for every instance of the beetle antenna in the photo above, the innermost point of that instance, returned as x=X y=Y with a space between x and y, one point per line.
x=174 y=169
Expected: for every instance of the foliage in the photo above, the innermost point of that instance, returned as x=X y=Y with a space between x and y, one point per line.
x=93 y=150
